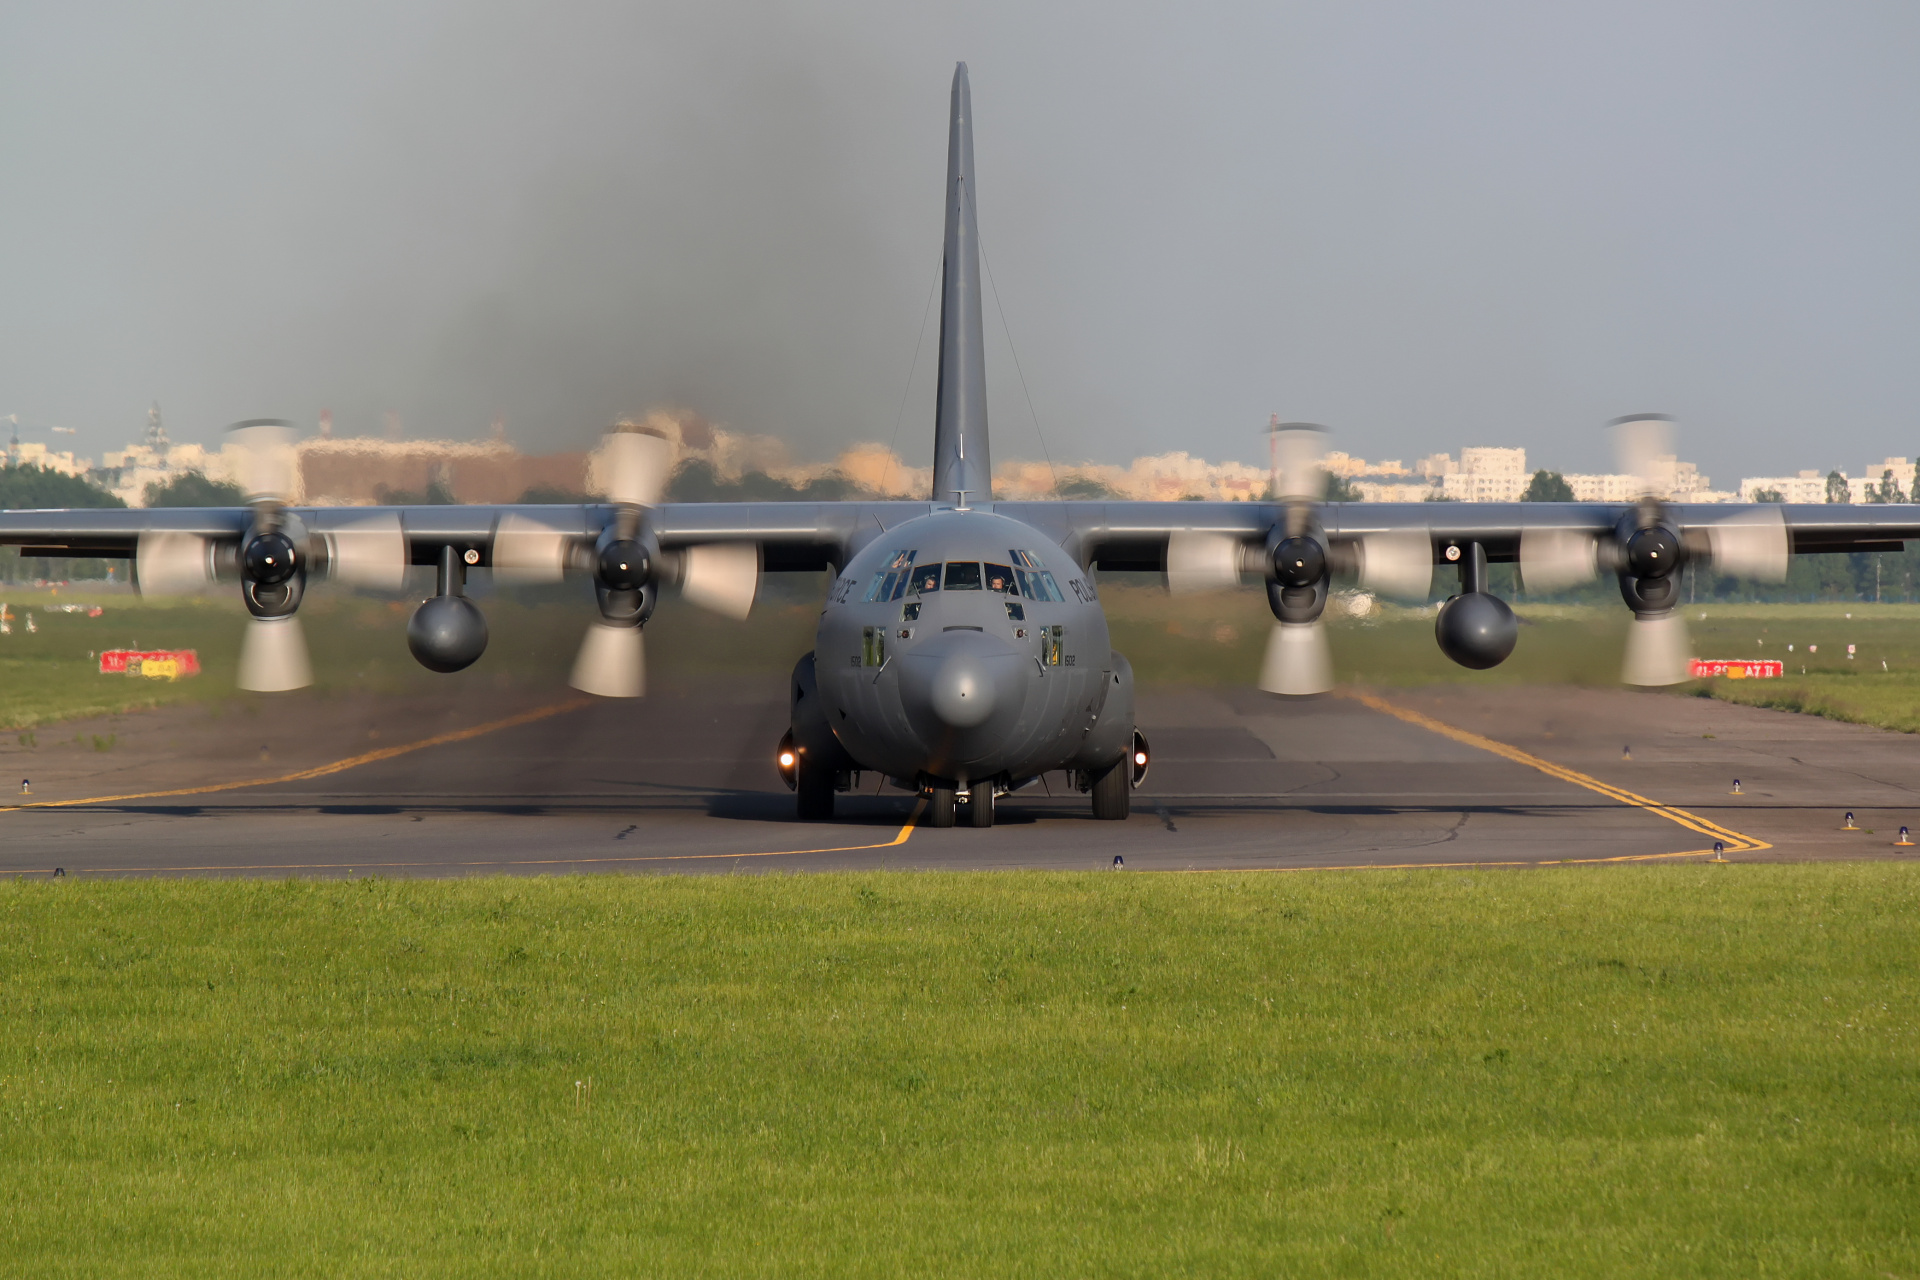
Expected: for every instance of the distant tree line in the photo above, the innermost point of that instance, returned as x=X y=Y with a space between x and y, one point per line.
x=31 y=487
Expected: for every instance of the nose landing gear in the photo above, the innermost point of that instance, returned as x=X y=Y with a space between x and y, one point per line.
x=941 y=803
x=980 y=805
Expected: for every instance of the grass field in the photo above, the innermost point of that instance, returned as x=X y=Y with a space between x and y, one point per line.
x=1219 y=639
x=357 y=642
x=1626 y=1072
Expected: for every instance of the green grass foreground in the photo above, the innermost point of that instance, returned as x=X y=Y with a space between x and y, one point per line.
x=1650 y=1071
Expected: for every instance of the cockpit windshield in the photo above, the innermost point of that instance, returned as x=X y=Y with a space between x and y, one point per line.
x=963 y=575
x=1034 y=580
x=890 y=580
x=899 y=577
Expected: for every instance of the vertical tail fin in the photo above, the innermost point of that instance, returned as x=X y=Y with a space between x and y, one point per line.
x=962 y=460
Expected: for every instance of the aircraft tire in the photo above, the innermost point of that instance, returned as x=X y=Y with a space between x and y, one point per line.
x=813 y=791
x=940 y=805
x=980 y=806
x=1113 y=793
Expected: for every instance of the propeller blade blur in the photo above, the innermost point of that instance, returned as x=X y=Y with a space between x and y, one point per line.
x=264 y=463
x=173 y=563
x=1658 y=652
x=1298 y=660
x=1554 y=558
x=1202 y=562
x=612 y=662
x=526 y=551
x=1298 y=450
x=1752 y=543
x=369 y=553
x=723 y=577
x=273 y=656
x=1641 y=445
x=1397 y=564
x=637 y=468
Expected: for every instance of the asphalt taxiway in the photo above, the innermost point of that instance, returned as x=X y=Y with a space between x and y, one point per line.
x=682 y=781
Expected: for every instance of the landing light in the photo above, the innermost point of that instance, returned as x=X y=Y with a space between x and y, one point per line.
x=786 y=759
x=1139 y=757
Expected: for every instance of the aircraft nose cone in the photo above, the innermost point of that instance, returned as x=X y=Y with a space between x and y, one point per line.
x=962 y=692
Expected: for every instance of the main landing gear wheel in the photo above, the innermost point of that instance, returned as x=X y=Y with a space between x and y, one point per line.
x=980 y=806
x=1113 y=793
x=813 y=789
x=940 y=802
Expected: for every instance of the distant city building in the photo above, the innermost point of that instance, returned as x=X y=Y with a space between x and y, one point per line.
x=32 y=454
x=1901 y=469
x=1488 y=475
x=156 y=460
x=1348 y=467
x=1807 y=486
x=1603 y=488
x=1389 y=491
x=1162 y=477
x=361 y=470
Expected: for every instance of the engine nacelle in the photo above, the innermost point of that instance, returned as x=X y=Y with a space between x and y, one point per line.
x=1476 y=630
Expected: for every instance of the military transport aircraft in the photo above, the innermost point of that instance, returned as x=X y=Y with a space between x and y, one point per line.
x=962 y=652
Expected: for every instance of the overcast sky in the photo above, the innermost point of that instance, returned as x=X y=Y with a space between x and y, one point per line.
x=1423 y=225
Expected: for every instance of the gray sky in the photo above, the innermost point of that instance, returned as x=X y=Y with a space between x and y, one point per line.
x=1423 y=225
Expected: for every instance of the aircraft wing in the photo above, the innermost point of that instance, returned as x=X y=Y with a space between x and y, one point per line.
x=1135 y=535
x=792 y=535
x=1110 y=535
x=716 y=552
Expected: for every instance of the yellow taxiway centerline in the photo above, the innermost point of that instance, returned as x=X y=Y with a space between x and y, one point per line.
x=1734 y=841
x=388 y=753
x=321 y=771
x=900 y=837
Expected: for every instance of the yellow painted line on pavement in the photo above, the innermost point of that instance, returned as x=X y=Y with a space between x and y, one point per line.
x=900 y=837
x=1734 y=841
x=321 y=771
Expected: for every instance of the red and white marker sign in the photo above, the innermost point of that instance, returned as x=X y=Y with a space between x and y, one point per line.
x=159 y=664
x=1736 y=669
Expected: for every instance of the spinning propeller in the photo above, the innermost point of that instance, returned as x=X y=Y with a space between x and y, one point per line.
x=273 y=558
x=1647 y=550
x=1298 y=562
x=627 y=565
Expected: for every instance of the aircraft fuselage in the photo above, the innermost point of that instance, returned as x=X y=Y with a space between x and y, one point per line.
x=964 y=649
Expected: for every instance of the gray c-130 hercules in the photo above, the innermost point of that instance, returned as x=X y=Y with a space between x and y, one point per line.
x=962 y=652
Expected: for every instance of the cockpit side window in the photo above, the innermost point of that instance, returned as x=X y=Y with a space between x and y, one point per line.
x=890 y=580
x=963 y=575
x=1000 y=578
x=1034 y=580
